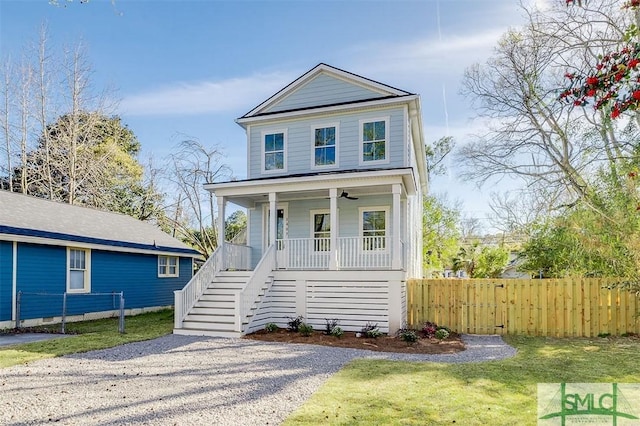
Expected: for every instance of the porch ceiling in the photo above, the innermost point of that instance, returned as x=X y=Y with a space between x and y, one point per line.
x=357 y=184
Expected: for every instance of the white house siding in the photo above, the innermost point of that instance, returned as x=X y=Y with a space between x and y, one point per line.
x=323 y=90
x=299 y=144
x=347 y=296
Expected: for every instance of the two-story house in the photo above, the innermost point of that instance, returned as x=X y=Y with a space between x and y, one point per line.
x=336 y=174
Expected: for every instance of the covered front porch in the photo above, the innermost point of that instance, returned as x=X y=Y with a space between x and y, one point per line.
x=346 y=221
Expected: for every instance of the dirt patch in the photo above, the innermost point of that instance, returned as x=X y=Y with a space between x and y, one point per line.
x=452 y=344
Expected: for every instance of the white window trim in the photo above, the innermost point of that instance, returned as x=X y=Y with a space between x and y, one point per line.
x=284 y=150
x=387 y=234
x=168 y=275
x=312 y=233
x=87 y=270
x=313 y=146
x=361 y=143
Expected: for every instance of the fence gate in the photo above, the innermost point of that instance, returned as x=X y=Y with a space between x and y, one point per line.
x=483 y=307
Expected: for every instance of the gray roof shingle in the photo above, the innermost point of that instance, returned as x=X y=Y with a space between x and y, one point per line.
x=34 y=217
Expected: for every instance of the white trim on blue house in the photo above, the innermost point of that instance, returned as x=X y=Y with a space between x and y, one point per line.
x=387 y=153
x=263 y=153
x=65 y=243
x=14 y=281
x=86 y=271
x=387 y=228
x=336 y=163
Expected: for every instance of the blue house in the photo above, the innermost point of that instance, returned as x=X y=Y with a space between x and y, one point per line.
x=336 y=174
x=49 y=248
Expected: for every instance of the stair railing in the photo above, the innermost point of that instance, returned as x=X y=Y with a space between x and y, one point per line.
x=248 y=297
x=186 y=298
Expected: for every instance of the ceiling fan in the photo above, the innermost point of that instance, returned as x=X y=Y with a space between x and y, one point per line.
x=345 y=194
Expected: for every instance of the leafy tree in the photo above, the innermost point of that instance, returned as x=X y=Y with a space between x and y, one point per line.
x=441 y=236
x=235 y=225
x=436 y=153
x=491 y=262
x=92 y=161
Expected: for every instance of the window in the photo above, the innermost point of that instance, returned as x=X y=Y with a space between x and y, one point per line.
x=274 y=145
x=325 y=144
x=374 y=227
x=321 y=231
x=374 y=140
x=78 y=261
x=167 y=266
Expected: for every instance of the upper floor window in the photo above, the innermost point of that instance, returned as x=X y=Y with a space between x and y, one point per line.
x=325 y=144
x=373 y=138
x=78 y=274
x=274 y=151
x=167 y=266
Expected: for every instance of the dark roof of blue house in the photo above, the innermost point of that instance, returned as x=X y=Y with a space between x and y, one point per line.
x=23 y=215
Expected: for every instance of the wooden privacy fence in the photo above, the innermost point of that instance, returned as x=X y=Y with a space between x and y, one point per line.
x=549 y=307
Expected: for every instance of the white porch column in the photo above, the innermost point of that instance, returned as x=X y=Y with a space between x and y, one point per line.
x=273 y=217
x=396 y=260
x=221 y=215
x=333 y=217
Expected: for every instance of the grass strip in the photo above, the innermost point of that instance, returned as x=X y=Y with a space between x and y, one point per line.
x=373 y=392
x=89 y=336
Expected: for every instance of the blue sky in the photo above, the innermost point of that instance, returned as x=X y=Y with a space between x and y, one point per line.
x=192 y=67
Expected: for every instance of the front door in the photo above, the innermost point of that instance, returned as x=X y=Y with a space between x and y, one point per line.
x=281 y=232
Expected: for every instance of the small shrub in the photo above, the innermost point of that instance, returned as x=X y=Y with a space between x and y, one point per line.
x=429 y=329
x=371 y=331
x=337 y=332
x=441 y=334
x=442 y=327
x=305 y=329
x=407 y=335
x=271 y=327
x=294 y=324
x=330 y=324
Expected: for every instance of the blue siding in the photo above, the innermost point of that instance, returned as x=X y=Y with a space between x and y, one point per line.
x=43 y=269
x=299 y=142
x=6 y=279
x=324 y=90
x=137 y=276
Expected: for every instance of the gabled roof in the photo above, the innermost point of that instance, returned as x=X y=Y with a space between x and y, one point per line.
x=30 y=218
x=368 y=90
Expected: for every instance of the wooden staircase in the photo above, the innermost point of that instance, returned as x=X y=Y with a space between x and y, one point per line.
x=214 y=314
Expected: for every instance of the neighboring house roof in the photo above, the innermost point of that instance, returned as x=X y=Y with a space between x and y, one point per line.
x=37 y=219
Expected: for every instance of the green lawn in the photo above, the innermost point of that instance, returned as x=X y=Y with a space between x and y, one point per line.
x=91 y=335
x=491 y=393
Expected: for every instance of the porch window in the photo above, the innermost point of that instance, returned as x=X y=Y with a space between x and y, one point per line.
x=325 y=143
x=167 y=266
x=274 y=146
x=374 y=137
x=321 y=231
x=374 y=228
x=78 y=278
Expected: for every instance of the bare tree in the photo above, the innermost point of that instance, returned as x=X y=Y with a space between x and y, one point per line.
x=529 y=133
x=193 y=209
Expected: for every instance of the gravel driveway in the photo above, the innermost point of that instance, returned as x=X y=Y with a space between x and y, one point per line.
x=184 y=380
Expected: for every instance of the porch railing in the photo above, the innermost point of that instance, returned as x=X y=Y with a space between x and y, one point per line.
x=186 y=298
x=247 y=298
x=364 y=252
x=352 y=253
x=236 y=257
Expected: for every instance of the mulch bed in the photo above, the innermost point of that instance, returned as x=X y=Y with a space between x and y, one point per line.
x=383 y=343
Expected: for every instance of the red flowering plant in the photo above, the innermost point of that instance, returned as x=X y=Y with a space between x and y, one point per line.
x=613 y=85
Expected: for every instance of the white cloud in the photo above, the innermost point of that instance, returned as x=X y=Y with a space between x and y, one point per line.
x=190 y=98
